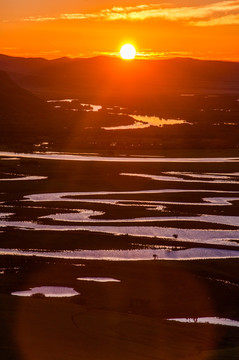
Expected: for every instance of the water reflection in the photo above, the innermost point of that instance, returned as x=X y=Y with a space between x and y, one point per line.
x=25 y=178
x=98 y=279
x=91 y=108
x=85 y=216
x=203 y=236
x=208 y=320
x=72 y=157
x=190 y=177
x=47 y=291
x=136 y=125
x=128 y=255
x=156 y=121
x=62 y=100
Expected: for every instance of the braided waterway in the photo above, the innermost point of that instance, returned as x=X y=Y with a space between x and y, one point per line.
x=209 y=224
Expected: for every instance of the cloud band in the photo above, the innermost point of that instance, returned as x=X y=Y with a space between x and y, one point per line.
x=213 y=14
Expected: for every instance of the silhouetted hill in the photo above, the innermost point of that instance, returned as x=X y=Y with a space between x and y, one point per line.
x=109 y=79
x=23 y=115
x=20 y=65
x=15 y=100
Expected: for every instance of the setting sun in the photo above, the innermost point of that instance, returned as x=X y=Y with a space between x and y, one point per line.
x=127 y=52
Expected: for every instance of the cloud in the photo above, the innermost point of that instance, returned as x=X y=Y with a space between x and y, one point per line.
x=143 y=54
x=39 y=19
x=218 y=21
x=213 y=14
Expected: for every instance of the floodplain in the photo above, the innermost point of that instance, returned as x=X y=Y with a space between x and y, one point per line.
x=137 y=241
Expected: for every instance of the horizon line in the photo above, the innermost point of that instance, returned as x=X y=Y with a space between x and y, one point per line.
x=117 y=56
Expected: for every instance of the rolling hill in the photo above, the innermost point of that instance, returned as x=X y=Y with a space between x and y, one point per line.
x=203 y=93
x=23 y=116
x=16 y=100
x=110 y=79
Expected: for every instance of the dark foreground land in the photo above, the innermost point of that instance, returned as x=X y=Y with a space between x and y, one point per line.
x=120 y=320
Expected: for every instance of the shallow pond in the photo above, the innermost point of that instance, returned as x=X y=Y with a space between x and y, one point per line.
x=208 y=320
x=47 y=291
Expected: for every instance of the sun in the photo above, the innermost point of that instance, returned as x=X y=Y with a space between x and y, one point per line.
x=127 y=52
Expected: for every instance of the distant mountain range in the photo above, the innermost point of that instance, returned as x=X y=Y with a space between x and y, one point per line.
x=203 y=93
x=109 y=79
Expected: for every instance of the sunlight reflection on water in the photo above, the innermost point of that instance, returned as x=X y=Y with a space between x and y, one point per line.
x=156 y=121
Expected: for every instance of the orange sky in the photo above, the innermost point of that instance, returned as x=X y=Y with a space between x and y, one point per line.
x=53 y=28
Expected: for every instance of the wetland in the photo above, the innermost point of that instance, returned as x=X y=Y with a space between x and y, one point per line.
x=115 y=247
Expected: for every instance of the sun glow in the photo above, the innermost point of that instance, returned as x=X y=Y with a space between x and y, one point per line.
x=127 y=52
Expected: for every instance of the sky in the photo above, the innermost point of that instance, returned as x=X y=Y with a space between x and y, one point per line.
x=205 y=29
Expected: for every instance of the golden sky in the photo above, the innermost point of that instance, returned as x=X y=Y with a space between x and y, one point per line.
x=206 y=29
